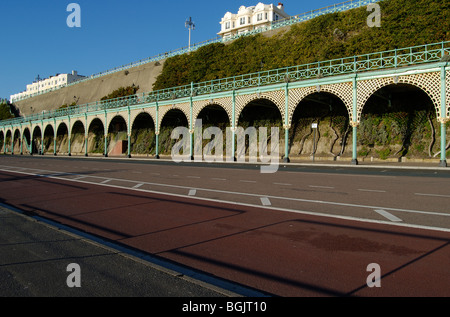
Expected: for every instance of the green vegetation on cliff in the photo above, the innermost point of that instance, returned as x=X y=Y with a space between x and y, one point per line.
x=404 y=23
x=5 y=111
x=122 y=92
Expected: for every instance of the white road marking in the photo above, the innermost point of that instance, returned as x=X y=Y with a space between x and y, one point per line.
x=372 y=190
x=196 y=177
x=219 y=179
x=266 y=201
x=432 y=195
x=387 y=215
x=138 y=186
x=244 y=181
x=282 y=184
x=344 y=175
x=106 y=181
x=319 y=214
x=323 y=187
x=192 y=192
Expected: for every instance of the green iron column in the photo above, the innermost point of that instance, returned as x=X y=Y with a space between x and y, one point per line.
x=86 y=135
x=30 y=145
x=129 y=133
x=443 y=162
x=69 y=132
x=192 y=124
x=157 y=131
x=21 y=139
x=286 y=124
x=105 y=128
x=55 y=134
x=157 y=145
x=42 y=138
x=355 y=122
x=12 y=140
x=233 y=127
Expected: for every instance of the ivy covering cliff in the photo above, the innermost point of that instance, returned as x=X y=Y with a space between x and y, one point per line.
x=5 y=111
x=404 y=23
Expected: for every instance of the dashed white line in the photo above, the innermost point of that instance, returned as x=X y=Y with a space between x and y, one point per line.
x=382 y=209
x=323 y=187
x=432 y=195
x=387 y=215
x=372 y=190
x=266 y=201
x=196 y=177
x=282 y=184
x=219 y=179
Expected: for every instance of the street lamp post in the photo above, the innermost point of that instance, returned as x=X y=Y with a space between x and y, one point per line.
x=191 y=26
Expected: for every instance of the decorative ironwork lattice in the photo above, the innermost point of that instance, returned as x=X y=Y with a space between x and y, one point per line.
x=428 y=82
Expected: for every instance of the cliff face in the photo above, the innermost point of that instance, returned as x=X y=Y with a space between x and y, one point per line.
x=92 y=90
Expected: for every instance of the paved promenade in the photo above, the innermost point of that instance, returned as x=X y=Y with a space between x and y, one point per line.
x=35 y=257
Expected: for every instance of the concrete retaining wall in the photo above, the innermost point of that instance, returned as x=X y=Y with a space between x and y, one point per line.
x=93 y=90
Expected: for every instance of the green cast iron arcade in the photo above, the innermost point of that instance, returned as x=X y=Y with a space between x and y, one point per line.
x=353 y=80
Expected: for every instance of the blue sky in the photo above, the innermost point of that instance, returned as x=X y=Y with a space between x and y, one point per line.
x=35 y=39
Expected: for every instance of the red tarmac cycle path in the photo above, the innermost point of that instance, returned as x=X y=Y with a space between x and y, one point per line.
x=284 y=254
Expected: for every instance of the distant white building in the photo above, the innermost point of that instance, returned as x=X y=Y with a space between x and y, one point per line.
x=251 y=18
x=48 y=84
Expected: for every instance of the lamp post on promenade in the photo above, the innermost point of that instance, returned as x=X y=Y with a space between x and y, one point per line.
x=191 y=26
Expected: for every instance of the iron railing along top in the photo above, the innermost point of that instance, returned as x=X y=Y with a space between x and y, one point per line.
x=409 y=56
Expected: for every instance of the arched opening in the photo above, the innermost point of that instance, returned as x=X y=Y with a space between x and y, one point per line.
x=26 y=140
x=117 y=136
x=2 y=141
x=96 y=137
x=77 y=138
x=36 y=145
x=62 y=139
x=8 y=141
x=259 y=113
x=143 y=137
x=398 y=121
x=214 y=116
x=49 y=137
x=16 y=141
x=173 y=119
x=320 y=127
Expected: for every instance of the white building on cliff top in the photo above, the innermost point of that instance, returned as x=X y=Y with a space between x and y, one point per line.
x=251 y=18
x=46 y=85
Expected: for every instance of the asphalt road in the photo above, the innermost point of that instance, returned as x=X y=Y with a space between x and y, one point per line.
x=303 y=231
x=36 y=257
